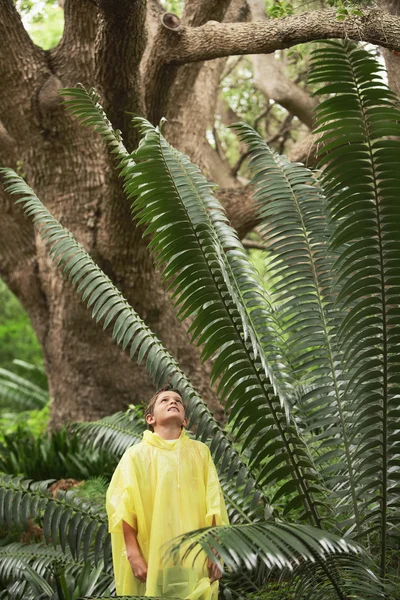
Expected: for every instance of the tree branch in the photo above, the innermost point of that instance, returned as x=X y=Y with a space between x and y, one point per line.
x=119 y=49
x=21 y=64
x=240 y=208
x=215 y=40
x=165 y=80
x=73 y=58
x=271 y=79
x=392 y=60
x=198 y=12
x=18 y=260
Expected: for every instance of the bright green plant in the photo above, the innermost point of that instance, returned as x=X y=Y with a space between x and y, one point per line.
x=311 y=396
x=23 y=388
x=71 y=577
x=17 y=337
x=55 y=455
x=24 y=400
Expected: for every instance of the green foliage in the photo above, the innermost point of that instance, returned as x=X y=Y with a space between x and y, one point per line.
x=113 y=434
x=44 y=21
x=25 y=391
x=308 y=373
x=272 y=591
x=24 y=400
x=70 y=577
x=278 y=9
x=362 y=189
x=75 y=524
x=28 y=423
x=57 y=455
x=173 y=6
x=93 y=490
x=17 y=338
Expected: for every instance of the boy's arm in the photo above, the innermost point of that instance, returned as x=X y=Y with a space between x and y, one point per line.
x=133 y=553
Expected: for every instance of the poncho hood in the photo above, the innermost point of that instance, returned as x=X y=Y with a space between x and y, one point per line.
x=153 y=439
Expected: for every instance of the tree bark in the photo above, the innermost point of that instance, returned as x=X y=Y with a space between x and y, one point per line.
x=392 y=59
x=137 y=68
x=216 y=40
x=270 y=78
x=70 y=171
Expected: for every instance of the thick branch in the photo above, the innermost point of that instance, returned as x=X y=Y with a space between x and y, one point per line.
x=20 y=65
x=240 y=208
x=271 y=79
x=168 y=86
x=120 y=46
x=198 y=12
x=18 y=260
x=215 y=40
x=392 y=60
x=73 y=59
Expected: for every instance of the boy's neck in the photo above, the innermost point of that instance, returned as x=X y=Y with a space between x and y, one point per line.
x=170 y=432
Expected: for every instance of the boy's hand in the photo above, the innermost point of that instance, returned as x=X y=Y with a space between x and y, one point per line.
x=138 y=566
x=214 y=572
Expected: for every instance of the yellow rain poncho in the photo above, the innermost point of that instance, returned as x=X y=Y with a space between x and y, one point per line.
x=164 y=489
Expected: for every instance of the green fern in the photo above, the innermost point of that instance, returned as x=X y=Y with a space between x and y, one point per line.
x=67 y=520
x=215 y=283
x=361 y=180
x=214 y=288
x=129 y=330
x=306 y=554
x=114 y=434
x=295 y=229
x=26 y=390
x=15 y=557
x=86 y=106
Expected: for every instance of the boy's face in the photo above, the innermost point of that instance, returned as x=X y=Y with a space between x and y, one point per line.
x=168 y=409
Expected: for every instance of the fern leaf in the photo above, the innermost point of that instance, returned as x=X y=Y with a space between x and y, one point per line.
x=361 y=179
x=129 y=330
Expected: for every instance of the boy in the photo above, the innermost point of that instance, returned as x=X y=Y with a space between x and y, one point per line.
x=163 y=487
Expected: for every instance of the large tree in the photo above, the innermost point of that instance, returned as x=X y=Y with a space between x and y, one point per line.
x=144 y=61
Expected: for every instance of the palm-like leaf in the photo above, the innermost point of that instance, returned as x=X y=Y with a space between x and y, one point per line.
x=214 y=284
x=24 y=391
x=86 y=106
x=129 y=330
x=114 y=434
x=295 y=228
x=16 y=556
x=73 y=523
x=303 y=551
x=361 y=179
x=231 y=318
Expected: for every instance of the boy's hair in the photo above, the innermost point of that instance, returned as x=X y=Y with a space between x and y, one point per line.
x=149 y=410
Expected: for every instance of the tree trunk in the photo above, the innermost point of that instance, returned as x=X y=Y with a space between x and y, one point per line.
x=153 y=70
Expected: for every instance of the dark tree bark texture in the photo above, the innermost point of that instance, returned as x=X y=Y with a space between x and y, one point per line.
x=144 y=64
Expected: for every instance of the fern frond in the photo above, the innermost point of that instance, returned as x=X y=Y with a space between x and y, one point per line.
x=114 y=434
x=40 y=557
x=214 y=285
x=67 y=520
x=20 y=393
x=295 y=229
x=129 y=330
x=330 y=562
x=86 y=107
x=233 y=274
x=361 y=178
